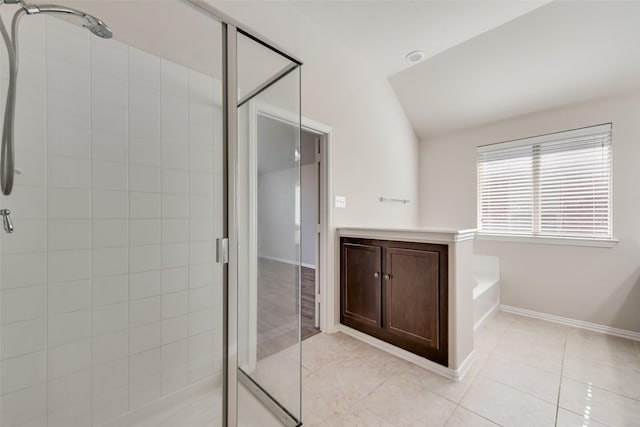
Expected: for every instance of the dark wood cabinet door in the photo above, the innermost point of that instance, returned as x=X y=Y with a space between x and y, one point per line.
x=415 y=298
x=411 y=295
x=360 y=285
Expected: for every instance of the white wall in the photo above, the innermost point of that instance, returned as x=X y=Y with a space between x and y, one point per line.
x=375 y=150
x=600 y=285
x=276 y=214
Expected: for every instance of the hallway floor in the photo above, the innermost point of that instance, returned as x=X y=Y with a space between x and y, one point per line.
x=528 y=373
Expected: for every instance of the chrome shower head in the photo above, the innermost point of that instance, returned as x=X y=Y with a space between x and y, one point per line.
x=97 y=27
x=93 y=24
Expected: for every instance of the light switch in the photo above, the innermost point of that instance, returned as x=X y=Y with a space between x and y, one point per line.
x=341 y=202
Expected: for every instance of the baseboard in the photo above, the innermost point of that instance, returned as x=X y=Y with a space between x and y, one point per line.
x=486 y=316
x=286 y=261
x=452 y=374
x=152 y=408
x=595 y=327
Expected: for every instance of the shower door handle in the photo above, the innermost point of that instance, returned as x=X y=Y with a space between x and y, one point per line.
x=222 y=251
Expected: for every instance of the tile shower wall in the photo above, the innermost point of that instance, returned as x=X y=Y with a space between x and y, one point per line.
x=109 y=296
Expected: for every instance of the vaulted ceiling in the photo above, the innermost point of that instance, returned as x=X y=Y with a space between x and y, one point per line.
x=485 y=60
x=560 y=54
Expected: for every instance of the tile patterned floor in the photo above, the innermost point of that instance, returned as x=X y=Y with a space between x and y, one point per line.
x=528 y=373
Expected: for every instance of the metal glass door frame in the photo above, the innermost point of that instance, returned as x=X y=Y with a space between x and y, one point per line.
x=230 y=30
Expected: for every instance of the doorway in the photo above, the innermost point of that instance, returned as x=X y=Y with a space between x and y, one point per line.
x=272 y=252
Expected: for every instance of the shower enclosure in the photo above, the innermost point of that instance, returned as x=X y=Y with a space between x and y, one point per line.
x=136 y=289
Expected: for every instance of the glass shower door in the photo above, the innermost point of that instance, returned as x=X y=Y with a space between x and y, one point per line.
x=268 y=214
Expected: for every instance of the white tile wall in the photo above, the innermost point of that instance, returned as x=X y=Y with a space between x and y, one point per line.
x=108 y=378
x=144 y=285
x=110 y=261
x=145 y=311
x=24 y=371
x=109 y=204
x=175 y=230
x=24 y=405
x=144 y=205
x=31 y=202
x=109 y=318
x=144 y=178
x=67 y=203
x=144 y=125
x=32 y=166
x=67 y=359
x=109 y=290
x=107 y=294
x=33 y=240
x=66 y=234
x=109 y=147
x=69 y=296
x=144 y=152
x=145 y=258
x=175 y=329
x=68 y=265
x=67 y=109
x=68 y=141
x=174 y=279
x=109 y=57
x=107 y=233
x=23 y=304
x=107 y=175
x=68 y=327
x=145 y=231
x=106 y=117
x=109 y=347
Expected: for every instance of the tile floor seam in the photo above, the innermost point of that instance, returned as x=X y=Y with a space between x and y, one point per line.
x=564 y=349
x=515 y=389
x=602 y=388
x=582 y=415
x=482 y=416
x=467 y=390
x=516 y=360
x=373 y=391
x=451 y=414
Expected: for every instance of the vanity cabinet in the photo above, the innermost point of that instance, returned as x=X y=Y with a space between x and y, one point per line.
x=397 y=291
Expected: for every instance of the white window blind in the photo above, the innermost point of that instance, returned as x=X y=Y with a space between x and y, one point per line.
x=556 y=185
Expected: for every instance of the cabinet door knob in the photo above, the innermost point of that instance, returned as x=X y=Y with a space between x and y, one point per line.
x=376 y=274
x=387 y=276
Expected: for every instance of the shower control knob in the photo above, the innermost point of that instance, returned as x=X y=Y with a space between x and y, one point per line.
x=6 y=220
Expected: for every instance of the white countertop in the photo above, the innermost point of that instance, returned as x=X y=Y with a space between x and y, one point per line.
x=433 y=235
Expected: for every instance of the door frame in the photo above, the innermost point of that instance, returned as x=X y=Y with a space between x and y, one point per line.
x=326 y=217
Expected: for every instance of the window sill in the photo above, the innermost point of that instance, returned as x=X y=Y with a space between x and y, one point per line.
x=546 y=240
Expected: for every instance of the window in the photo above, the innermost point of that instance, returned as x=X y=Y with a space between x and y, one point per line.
x=556 y=185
